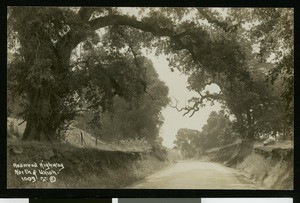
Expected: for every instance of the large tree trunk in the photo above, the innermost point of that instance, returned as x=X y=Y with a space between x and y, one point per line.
x=40 y=125
x=38 y=116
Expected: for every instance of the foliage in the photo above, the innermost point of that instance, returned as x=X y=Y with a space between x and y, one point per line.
x=127 y=110
x=217 y=132
x=209 y=45
x=241 y=48
x=272 y=29
x=187 y=141
x=36 y=73
x=143 y=119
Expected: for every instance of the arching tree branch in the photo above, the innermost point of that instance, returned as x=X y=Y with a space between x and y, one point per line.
x=70 y=40
x=73 y=38
x=129 y=21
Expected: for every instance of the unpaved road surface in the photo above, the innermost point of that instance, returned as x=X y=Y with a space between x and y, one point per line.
x=196 y=175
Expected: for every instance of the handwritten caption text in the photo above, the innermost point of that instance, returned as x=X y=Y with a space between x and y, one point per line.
x=34 y=172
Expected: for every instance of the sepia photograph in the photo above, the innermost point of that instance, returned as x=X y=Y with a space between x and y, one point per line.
x=198 y=98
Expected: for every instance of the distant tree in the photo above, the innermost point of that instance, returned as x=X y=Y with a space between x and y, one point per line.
x=217 y=132
x=187 y=141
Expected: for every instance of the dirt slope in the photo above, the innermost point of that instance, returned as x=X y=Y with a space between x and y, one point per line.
x=270 y=166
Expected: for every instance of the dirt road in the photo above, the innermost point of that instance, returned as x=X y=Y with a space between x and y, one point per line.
x=196 y=175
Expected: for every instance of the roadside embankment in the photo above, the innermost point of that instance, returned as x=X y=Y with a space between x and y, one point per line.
x=269 y=166
x=79 y=168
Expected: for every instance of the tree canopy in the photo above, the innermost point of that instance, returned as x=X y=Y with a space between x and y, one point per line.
x=228 y=47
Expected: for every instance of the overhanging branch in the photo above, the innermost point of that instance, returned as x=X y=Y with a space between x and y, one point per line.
x=129 y=21
x=186 y=40
x=198 y=102
x=72 y=38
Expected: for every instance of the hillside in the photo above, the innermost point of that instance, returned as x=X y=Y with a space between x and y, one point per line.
x=82 y=168
x=85 y=164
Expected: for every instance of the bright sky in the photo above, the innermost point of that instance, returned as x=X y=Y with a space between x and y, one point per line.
x=177 y=83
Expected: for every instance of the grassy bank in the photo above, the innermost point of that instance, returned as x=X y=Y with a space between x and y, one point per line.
x=83 y=168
